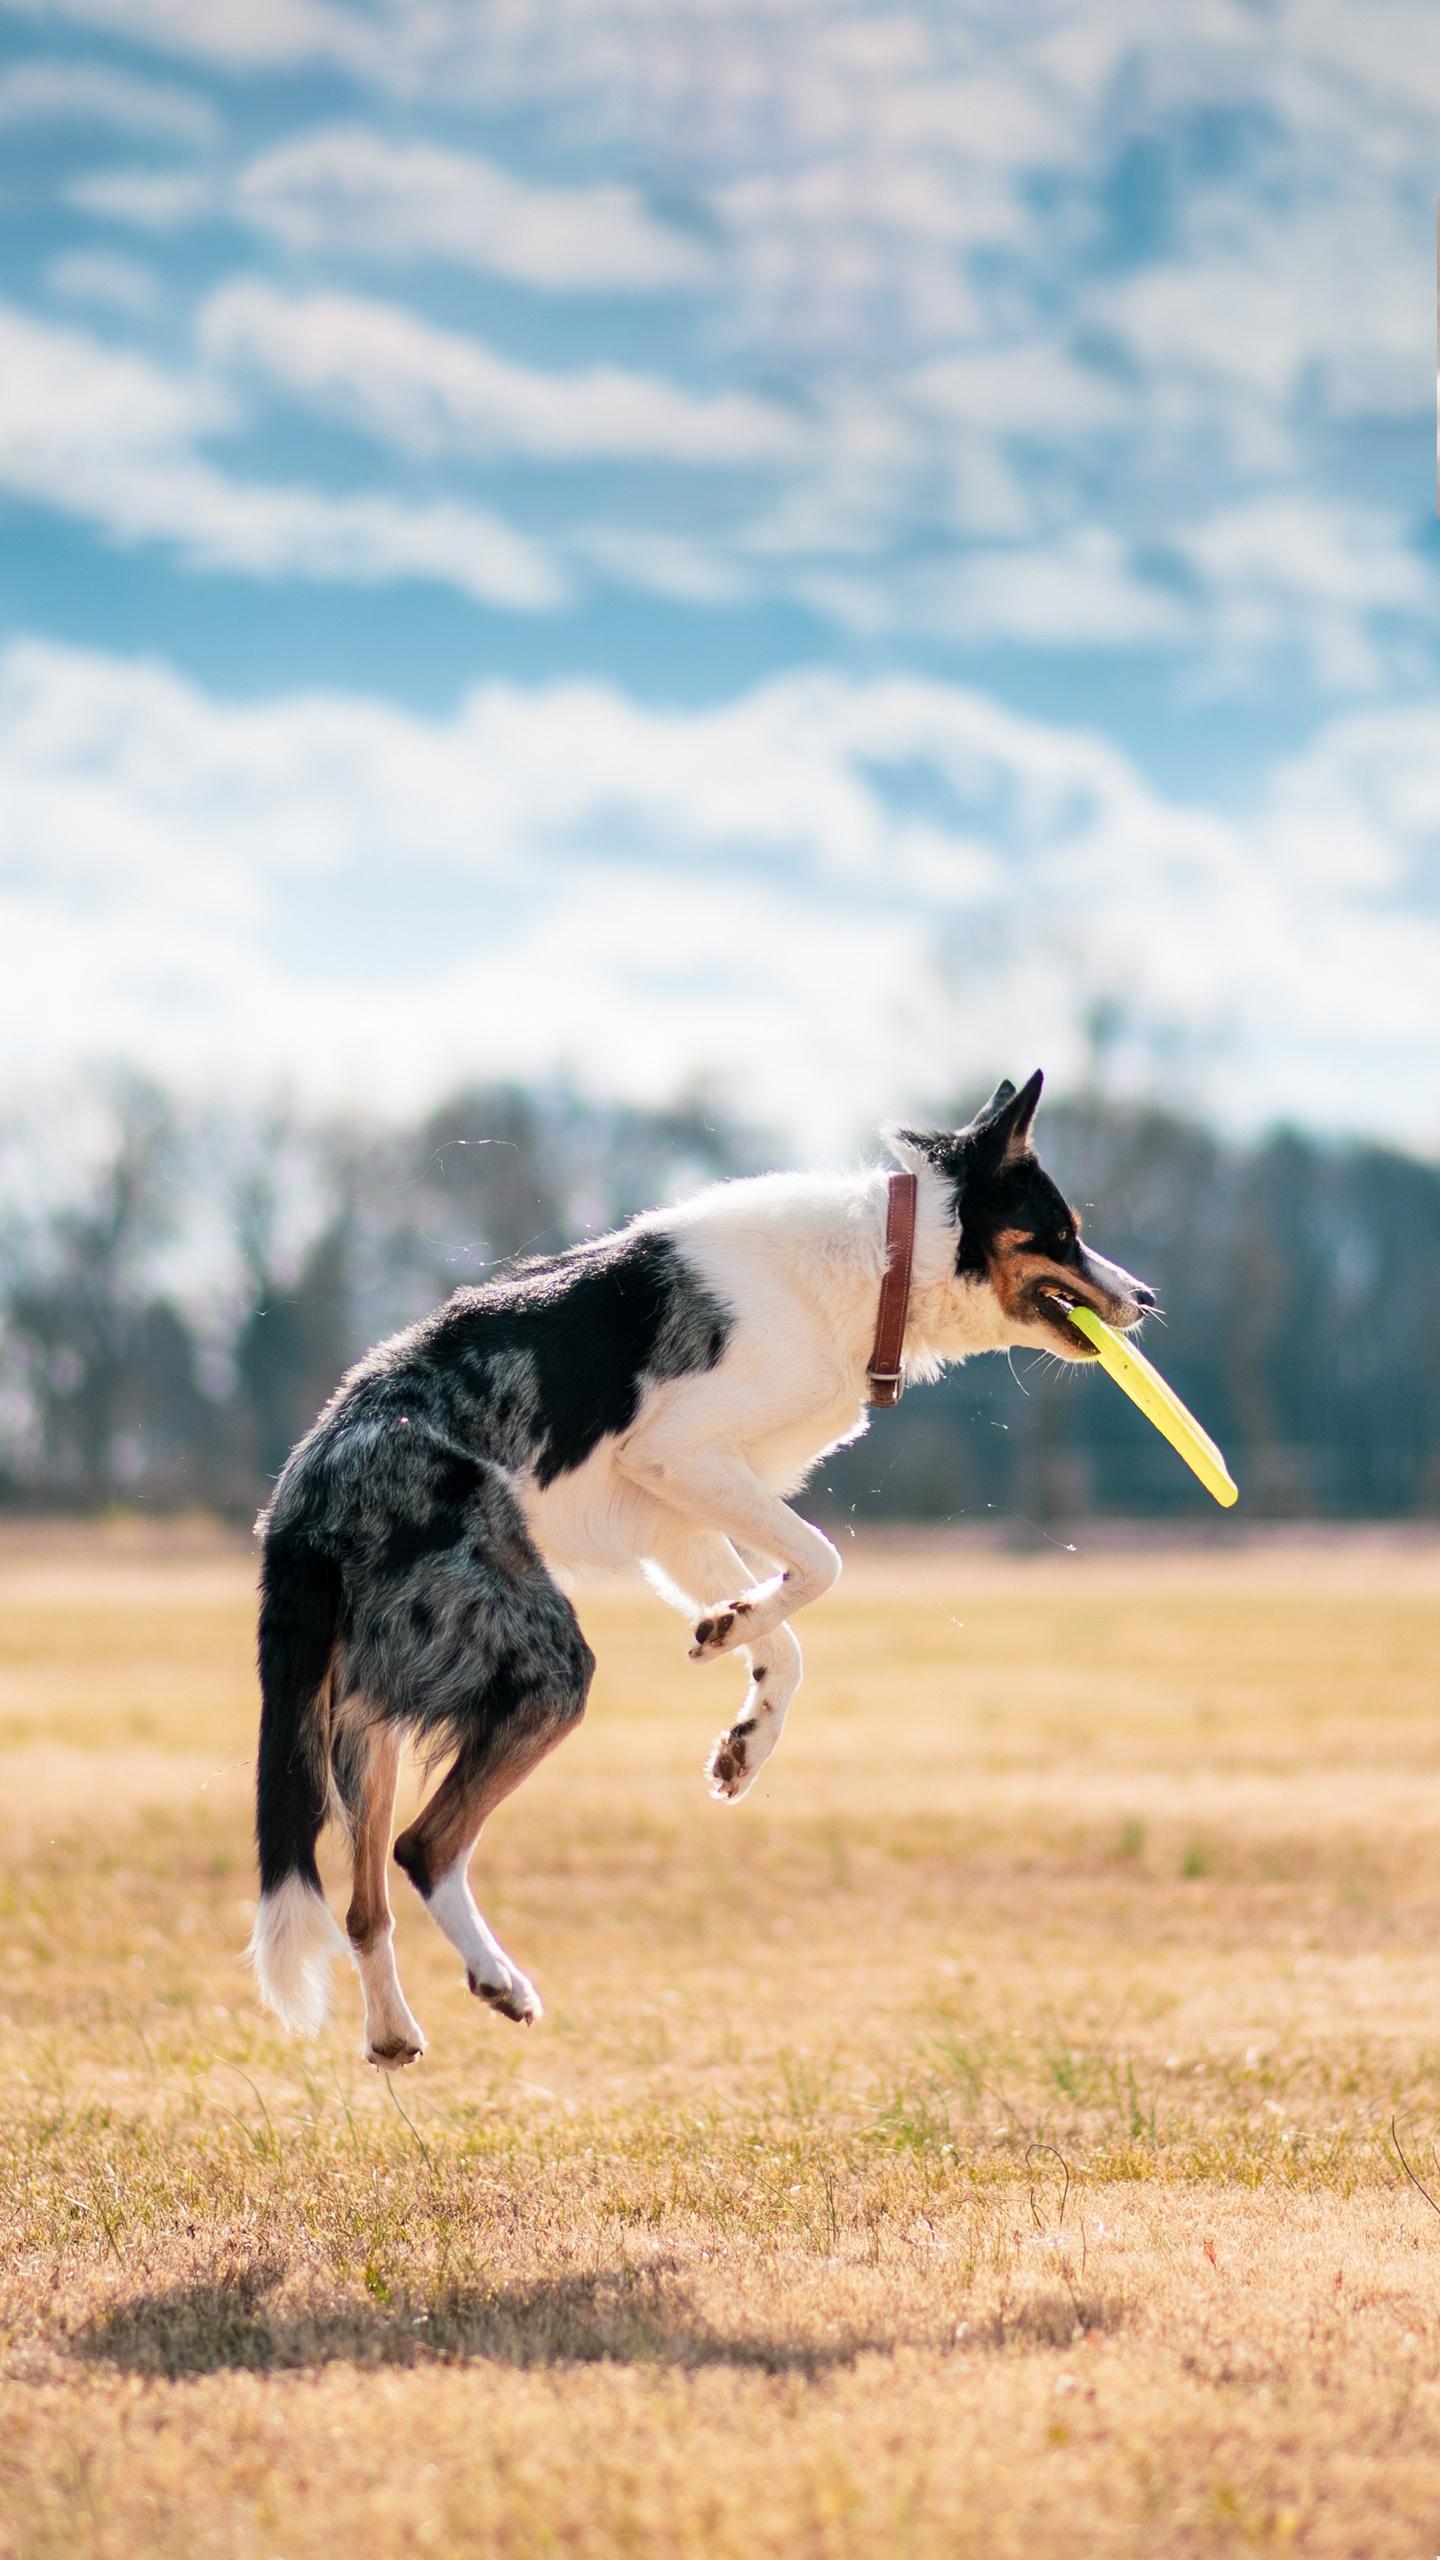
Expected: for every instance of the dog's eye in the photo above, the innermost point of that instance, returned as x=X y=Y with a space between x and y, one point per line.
x=1050 y=1244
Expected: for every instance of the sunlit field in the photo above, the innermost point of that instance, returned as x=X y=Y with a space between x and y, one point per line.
x=977 y=2142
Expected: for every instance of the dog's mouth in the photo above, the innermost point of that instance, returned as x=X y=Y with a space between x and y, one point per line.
x=1053 y=1306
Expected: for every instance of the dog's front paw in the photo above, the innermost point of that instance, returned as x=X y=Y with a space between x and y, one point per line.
x=729 y=1768
x=721 y=1631
x=509 y=1993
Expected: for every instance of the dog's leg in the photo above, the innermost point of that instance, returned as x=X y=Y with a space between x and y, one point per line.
x=776 y=1668
x=684 y=1563
x=436 y=1851
x=392 y=2036
x=529 y=1702
x=475 y=1628
x=715 y=1488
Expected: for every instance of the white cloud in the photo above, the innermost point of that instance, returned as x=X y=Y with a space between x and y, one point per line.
x=351 y=191
x=145 y=199
x=1340 y=555
x=706 y=91
x=746 y=893
x=1312 y=303
x=1361 y=804
x=123 y=444
x=672 y=565
x=106 y=278
x=1299 y=576
x=993 y=410
x=434 y=392
x=243 y=35
x=272 y=531
x=1387 y=50
x=1336 y=593
x=1035 y=386
x=66 y=400
x=831 y=258
x=1082 y=589
x=114 y=440
x=93 y=93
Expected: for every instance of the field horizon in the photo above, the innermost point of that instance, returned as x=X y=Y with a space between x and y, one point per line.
x=989 y=2138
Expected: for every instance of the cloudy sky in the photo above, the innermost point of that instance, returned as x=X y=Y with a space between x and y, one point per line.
x=815 y=546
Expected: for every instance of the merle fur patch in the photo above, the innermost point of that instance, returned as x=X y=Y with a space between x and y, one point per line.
x=418 y=1564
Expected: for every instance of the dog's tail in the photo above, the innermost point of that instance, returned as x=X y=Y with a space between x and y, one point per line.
x=295 y=1939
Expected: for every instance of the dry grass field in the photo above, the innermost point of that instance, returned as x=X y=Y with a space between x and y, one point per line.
x=976 y=2143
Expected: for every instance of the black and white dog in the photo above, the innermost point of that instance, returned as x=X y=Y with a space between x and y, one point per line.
x=648 y=1398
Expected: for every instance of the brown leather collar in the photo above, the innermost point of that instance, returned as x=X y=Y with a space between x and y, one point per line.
x=885 y=1375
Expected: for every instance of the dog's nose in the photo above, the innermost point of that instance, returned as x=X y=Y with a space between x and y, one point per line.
x=1142 y=1296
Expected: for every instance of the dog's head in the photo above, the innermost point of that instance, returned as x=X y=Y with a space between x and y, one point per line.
x=1018 y=1236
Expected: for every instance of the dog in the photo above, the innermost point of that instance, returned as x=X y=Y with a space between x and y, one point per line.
x=651 y=1397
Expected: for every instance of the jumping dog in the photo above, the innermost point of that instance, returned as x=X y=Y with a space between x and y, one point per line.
x=652 y=1398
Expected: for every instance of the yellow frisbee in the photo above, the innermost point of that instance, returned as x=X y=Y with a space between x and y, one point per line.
x=1160 y=1404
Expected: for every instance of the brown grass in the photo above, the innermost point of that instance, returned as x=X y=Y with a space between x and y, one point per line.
x=977 y=2143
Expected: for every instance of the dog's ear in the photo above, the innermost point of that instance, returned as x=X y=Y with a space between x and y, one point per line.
x=1004 y=1092
x=917 y=1148
x=998 y=1134
x=1001 y=1132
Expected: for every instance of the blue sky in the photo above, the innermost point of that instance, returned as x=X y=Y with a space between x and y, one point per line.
x=800 y=546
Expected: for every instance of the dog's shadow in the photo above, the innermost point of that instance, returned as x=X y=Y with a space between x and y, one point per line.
x=621 y=2315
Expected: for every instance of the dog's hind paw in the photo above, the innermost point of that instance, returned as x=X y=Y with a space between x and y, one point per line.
x=729 y=1769
x=396 y=2054
x=720 y=1632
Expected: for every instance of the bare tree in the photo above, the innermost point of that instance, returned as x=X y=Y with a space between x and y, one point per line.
x=81 y=1304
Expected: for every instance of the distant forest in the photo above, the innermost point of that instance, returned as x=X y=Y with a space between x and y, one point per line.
x=181 y=1289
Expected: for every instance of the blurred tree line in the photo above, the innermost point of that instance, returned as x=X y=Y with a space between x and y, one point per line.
x=181 y=1289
